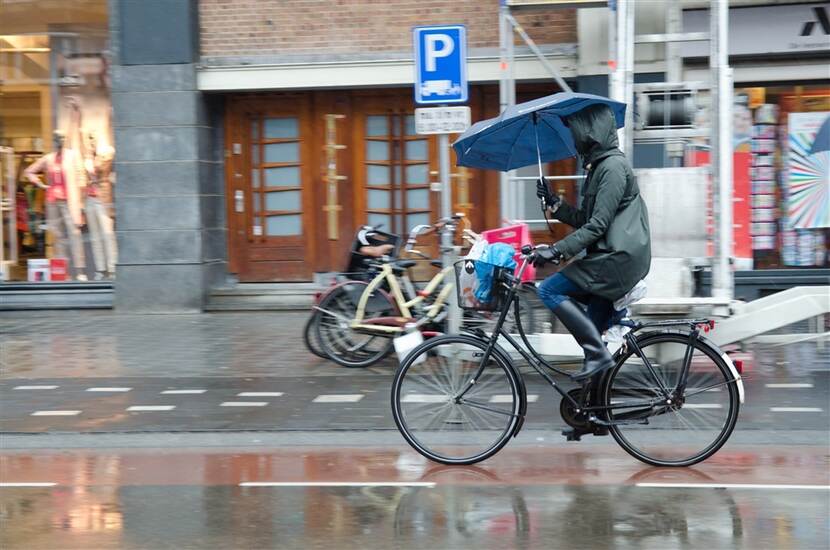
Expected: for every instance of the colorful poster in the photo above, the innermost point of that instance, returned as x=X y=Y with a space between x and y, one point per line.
x=808 y=172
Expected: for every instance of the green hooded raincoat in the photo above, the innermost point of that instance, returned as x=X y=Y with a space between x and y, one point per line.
x=612 y=221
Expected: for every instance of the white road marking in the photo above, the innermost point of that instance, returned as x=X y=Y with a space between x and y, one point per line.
x=244 y=404
x=702 y=406
x=182 y=392
x=795 y=409
x=35 y=387
x=507 y=398
x=28 y=484
x=424 y=398
x=56 y=413
x=260 y=394
x=338 y=398
x=148 y=408
x=337 y=484
x=793 y=385
x=109 y=389
x=731 y=486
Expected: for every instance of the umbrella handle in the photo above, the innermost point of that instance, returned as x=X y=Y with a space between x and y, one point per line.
x=539 y=156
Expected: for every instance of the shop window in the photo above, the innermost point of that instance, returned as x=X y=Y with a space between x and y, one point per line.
x=56 y=144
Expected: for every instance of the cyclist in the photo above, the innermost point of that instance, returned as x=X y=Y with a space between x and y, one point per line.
x=611 y=226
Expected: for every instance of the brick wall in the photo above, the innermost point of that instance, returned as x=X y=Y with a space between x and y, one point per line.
x=268 y=27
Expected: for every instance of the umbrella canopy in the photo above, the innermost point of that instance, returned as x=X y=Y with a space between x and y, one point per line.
x=822 y=139
x=528 y=133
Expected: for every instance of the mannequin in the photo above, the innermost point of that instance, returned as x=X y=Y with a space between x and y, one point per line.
x=63 y=200
x=98 y=164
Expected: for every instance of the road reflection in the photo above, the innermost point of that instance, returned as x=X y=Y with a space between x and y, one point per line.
x=529 y=499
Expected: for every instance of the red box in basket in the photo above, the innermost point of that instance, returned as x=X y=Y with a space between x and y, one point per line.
x=516 y=236
x=57 y=268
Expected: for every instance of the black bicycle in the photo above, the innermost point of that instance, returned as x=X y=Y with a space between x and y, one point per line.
x=671 y=399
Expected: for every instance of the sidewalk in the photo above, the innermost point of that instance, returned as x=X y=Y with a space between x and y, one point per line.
x=81 y=344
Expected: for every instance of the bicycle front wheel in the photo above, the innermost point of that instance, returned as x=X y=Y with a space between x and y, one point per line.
x=657 y=421
x=432 y=415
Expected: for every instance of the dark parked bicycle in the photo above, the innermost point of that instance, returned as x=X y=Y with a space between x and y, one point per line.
x=671 y=398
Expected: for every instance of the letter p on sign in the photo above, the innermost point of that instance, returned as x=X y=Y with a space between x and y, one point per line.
x=438 y=45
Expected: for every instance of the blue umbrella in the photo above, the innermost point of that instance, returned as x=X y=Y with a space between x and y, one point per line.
x=822 y=139
x=528 y=133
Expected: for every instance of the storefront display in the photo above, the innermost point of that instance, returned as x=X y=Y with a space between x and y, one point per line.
x=790 y=177
x=56 y=137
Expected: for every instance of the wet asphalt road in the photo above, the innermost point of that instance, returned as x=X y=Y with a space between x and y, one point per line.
x=334 y=473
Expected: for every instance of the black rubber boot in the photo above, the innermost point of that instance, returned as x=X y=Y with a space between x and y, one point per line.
x=597 y=358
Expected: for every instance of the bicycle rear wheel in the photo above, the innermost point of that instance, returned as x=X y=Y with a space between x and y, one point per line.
x=430 y=418
x=342 y=344
x=656 y=423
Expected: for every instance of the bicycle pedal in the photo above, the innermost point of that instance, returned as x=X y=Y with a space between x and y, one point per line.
x=573 y=434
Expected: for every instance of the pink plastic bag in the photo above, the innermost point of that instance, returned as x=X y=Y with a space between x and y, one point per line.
x=516 y=236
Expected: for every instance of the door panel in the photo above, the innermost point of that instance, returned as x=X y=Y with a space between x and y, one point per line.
x=273 y=190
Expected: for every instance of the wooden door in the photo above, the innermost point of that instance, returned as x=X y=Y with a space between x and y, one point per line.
x=270 y=189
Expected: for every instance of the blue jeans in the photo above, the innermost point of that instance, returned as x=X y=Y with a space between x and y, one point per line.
x=557 y=288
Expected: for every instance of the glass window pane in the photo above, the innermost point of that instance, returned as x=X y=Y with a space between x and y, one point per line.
x=287 y=176
x=379 y=219
x=416 y=150
x=254 y=155
x=377 y=125
x=417 y=174
x=409 y=125
x=415 y=219
x=255 y=130
x=276 y=128
x=378 y=200
x=283 y=225
x=377 y=175
x=377 y=150
x=256 y=202
x=417 y=199
x=282 y=200
x=282 y=152
x=255 y=178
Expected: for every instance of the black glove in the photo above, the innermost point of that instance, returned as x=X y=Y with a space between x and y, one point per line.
x=547 y=255
x=545 y=194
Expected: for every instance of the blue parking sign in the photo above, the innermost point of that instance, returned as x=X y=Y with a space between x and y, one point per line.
x=440 y=64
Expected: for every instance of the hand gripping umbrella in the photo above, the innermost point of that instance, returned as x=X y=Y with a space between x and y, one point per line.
x=528 y=133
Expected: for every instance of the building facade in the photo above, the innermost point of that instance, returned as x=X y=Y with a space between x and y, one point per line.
x=249 y=138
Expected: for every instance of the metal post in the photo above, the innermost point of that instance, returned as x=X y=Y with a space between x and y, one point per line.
x=617 y=20
x=721 y=155
x=629 y=79
x=505 y=36
x=448 y=252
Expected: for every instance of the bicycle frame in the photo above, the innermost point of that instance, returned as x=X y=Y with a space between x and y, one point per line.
x=538 y=363
x=387 y=274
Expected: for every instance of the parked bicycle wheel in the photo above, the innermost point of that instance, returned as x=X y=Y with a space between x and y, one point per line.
x=310 y=339
x=435 y=421
x=682 y=426
x=342 y=344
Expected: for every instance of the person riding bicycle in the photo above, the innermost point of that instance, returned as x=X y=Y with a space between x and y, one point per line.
x=611 y=226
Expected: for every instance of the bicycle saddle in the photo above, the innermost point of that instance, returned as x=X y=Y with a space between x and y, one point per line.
x=401 y=265
x=436 y=263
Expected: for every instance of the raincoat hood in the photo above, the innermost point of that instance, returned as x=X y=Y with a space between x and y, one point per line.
x=594 y=131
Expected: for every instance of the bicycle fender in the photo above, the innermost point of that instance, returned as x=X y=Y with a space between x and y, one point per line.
x=520 y=382
x=729 y=363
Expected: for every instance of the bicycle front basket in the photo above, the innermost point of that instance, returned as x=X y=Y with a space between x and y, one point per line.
x=479 y=285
